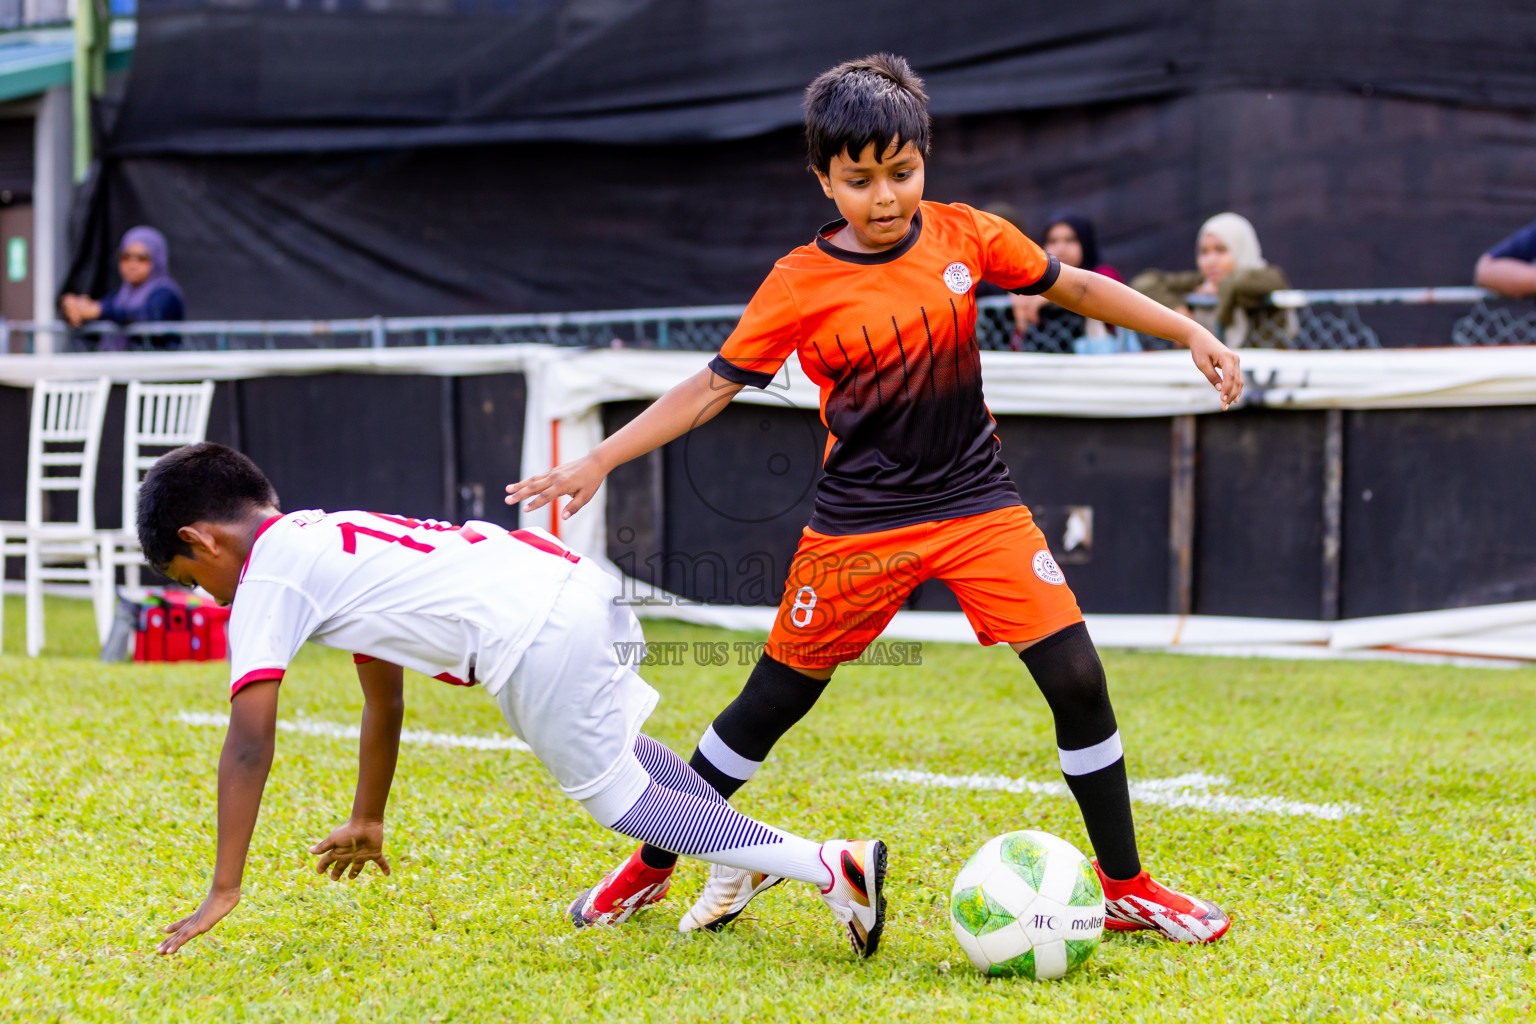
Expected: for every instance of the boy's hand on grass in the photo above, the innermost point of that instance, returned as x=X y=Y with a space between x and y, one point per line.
x=214 y=909
x=578 y=479
x=1212 y=356
x=351 y=845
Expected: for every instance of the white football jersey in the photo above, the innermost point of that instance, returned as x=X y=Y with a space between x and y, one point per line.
x=459 y=603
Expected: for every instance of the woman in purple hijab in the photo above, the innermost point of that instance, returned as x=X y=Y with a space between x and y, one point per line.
x=147 y=295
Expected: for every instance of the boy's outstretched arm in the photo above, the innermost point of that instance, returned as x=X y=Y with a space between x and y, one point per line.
x=243 y=768
x=1101 y=298
x=361 y=839
x=690 y=404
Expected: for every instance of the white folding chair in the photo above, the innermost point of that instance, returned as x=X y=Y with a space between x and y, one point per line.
x=63 y=444
x=159 y=417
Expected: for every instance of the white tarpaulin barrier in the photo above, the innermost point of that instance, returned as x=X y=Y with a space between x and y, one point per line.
x=1136 y=384
x=567 y=388
x=1493 y=635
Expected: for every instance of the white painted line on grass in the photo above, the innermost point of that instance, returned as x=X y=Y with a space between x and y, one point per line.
x=332 y=730
x=1319 y=652
x=1191 y=790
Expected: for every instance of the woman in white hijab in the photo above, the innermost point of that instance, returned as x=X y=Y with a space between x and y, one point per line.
x=1233 y=269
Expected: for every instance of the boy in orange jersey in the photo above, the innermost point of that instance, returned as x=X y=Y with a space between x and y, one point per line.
x=880 y=307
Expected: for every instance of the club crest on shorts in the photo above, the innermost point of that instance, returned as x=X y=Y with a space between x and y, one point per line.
x=1046 y=568
x=957 y=276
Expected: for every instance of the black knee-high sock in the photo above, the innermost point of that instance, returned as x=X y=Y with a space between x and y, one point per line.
x=1066 y=667
x=736 y=743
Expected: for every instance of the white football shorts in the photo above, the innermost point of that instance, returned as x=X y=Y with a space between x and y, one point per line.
x=573 y=697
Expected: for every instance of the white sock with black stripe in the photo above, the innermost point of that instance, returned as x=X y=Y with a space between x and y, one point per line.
x=736 y=743
x=656 y=798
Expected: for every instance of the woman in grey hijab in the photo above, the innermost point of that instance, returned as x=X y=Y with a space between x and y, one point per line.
x=1232 y=268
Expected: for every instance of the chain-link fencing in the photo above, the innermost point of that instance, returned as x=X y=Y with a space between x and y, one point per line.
x=1496 y=323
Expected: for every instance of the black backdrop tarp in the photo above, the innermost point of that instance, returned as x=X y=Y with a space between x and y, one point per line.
x=612 y=153
x=280 y=77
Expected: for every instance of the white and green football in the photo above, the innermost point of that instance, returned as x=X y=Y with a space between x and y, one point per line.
x=1027 y=903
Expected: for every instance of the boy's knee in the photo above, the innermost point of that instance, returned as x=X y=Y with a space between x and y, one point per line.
x=620 y=791
x=1066 y=667
x=774 y=699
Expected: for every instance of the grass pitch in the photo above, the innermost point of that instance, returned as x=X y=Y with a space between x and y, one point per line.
x=1417 y=907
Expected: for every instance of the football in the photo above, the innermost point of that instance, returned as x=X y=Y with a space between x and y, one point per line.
x=1027 y=903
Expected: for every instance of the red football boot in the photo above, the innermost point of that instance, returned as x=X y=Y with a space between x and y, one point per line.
x=1141 y=902
x=622 y=891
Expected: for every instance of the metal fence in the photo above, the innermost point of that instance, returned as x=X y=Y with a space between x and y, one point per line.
x=701 y=328
x=1332 y=319
x=1298 y=319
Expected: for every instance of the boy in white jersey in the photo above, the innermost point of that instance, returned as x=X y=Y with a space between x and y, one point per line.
x=516 y=613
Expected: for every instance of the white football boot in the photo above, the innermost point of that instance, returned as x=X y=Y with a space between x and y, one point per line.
x=857 y=892
x=726 y=894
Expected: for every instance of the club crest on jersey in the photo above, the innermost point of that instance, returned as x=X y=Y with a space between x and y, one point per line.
x=1046 y=568
x=957 y=276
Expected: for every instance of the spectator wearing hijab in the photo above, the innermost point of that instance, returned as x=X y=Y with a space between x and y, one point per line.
x=1233 y=269
x=1072 y=239
x=1509 y=268
x=148 y=294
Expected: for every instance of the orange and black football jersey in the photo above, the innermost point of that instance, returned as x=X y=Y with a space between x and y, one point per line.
x=890 y=338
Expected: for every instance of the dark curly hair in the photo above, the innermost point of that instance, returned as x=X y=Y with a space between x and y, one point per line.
x=875 y=99
x=204 y=482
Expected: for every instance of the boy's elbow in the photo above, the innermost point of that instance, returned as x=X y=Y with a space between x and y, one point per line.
x=1081 y=288
x=249 y=751
x=250 y=744
x=253 y=756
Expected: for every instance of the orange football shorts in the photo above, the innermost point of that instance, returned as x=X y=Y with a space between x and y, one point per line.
x=843 y=591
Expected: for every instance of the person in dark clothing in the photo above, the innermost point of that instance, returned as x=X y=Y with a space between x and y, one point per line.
x=148 y=293
x=1072 y=239
x=1509 y=268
